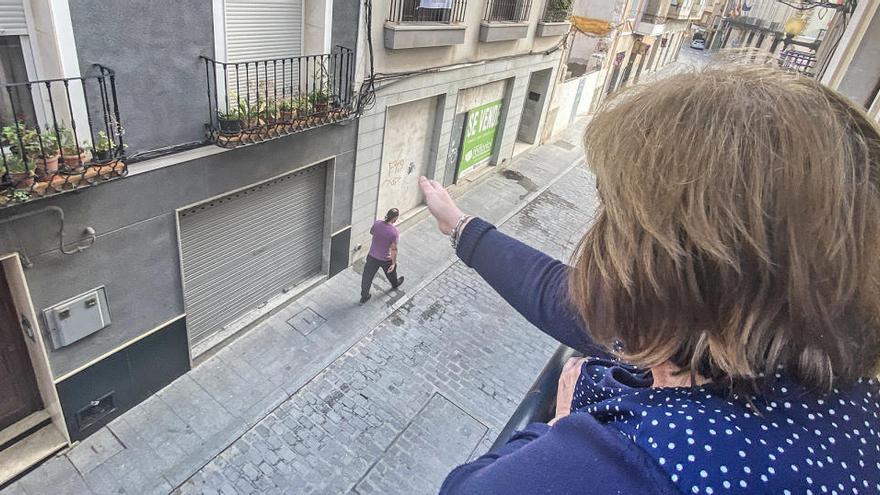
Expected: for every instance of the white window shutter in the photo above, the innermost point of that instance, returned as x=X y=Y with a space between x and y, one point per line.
x=262 y=29
x=12 y=18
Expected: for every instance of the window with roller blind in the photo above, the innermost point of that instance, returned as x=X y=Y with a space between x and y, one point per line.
x=16 y=103
x=256 y=31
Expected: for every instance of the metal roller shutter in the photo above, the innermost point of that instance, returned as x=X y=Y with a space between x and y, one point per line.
x=240 y=250
x=263 y=29
x=12 y=18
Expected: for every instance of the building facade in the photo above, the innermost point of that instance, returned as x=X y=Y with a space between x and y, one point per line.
x=164 y=183
x=773 y=27
x=650 y=37
x=459 y=86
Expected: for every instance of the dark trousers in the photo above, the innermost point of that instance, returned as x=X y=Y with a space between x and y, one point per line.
x=370 y=270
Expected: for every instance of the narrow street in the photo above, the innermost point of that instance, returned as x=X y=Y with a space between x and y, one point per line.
x=328 y=396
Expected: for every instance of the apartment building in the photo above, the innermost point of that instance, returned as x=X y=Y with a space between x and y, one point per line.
x=460 y=86
x=170 y=171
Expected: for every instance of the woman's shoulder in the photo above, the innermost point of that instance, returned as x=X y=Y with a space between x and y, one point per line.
x=707 y=441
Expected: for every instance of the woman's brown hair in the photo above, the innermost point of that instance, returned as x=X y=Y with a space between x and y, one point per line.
x=739 y=229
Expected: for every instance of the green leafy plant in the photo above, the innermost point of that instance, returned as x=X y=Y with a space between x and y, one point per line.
x=40 y=144
x=286 y=105
x=14 y=164
x=319 y=97
x=21 y=195
x=69 y=145
x=104 y=143
x=232 y=114
x=11 y=133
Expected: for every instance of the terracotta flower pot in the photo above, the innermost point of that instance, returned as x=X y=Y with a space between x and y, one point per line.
x=74 y=161
x=46 y=166
x=20 y=180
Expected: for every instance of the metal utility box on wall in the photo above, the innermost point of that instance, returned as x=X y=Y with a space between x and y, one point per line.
x=77 y=317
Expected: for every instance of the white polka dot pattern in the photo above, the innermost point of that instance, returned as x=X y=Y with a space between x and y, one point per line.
x=706 y=441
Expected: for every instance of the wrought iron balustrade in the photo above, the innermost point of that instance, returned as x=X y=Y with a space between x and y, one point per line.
x=798 y=61
x=557 y=10
x=539 y=404
x=58 y=135
x=507 y=10
x=429 y=11
x=255 y=101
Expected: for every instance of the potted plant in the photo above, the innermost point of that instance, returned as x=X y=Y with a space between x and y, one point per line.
x=17 y=172
x=319 y=100
x=75 y=155
x=104 y=147
x=230 y=121
x=42 y=148
x=13 y=135
x=288 y=109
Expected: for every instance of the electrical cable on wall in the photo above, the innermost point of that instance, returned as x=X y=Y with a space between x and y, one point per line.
x=366 y=97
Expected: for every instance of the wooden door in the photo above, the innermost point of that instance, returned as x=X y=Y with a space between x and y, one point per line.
x=19 y=395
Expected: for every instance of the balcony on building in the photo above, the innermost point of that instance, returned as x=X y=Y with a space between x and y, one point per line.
x=652 y=21
x=697 y=9
x=252 y=102
x=424 y=23
x=555 y=21
x=505 y=20
x=59 y=135
x=678 y=9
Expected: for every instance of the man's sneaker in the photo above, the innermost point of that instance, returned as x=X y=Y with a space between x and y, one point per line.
x=399 y=282
x=365 y=298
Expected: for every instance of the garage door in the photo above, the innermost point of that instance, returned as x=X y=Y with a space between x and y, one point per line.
x=240 y=250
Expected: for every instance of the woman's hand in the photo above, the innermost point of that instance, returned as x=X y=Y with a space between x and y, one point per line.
x=441 y=206
x=568 y=379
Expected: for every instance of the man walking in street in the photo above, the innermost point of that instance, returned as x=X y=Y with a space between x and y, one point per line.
x=383 y=253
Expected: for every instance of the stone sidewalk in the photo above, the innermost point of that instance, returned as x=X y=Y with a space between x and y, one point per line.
x=327 y=396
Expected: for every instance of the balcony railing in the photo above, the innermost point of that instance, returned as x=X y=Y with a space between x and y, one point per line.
x=797 y=61
x=507 y=10
x=431 y=11
x=557 y=10
x=539 y=404
x=59 y=135
x=251 y=102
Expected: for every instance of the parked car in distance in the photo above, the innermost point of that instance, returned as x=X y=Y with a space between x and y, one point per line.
x=698 y=44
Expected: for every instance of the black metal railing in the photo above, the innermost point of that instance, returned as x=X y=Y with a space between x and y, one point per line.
x=557 y=10
x=507 y=10
x=250 y=102
x=439 y=11
x=539 y=404
x=797 y=61
x=58 y=135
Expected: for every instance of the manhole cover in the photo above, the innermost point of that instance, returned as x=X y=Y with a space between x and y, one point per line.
x=306 y=321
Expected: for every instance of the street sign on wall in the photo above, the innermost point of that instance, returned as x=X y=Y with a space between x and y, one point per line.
x=480 y=128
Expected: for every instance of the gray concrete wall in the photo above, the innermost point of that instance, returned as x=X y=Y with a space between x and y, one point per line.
x=449 y=83
x=136 y=254
x=861 y=77
x=154 y=48
x=346 y=17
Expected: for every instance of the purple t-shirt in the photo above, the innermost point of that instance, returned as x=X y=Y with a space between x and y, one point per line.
x=384 y=235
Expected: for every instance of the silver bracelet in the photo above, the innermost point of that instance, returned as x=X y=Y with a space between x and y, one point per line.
x=455 y=235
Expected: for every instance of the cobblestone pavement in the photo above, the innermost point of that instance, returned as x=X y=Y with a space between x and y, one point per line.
x=328 y=396
x=426 y=390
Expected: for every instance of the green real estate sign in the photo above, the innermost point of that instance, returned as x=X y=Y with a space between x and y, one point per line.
x=479 y=135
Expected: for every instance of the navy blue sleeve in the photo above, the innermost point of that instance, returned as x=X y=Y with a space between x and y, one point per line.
x=576 y=455
x=535 y=284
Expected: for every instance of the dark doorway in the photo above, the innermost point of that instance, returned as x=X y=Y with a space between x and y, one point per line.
x=19 y=395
